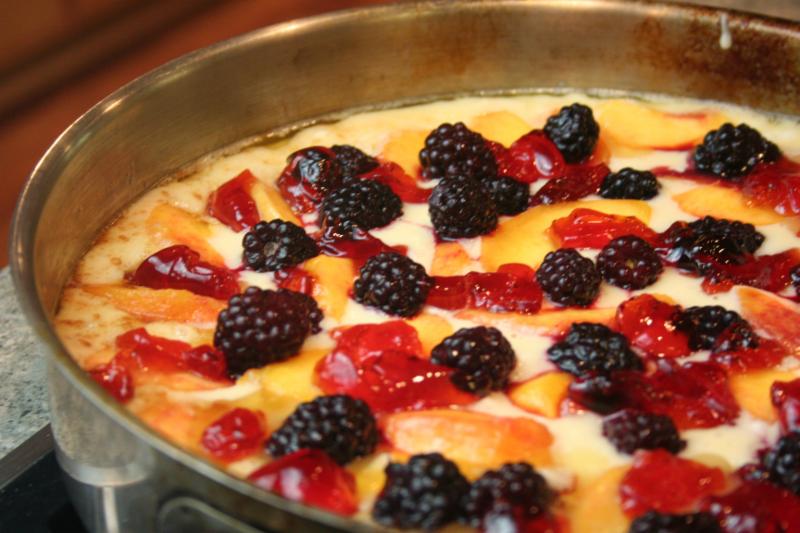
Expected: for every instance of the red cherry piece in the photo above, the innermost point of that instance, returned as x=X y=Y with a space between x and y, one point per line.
x=232 y=204
x=206 y=361
x=786 y=399
x=116 y=379
x=768 y=272
x=180 y=267
x=237 y=434
x=648 y=325
x=662 y=482
x=360 y=247
x=531 y=157
x=311 y=477
x=403 y=185
x=295 y=279
x=513 y=288
x=578 y=181
x=756 y=507
x=311 y=172
x=768 y=354
x=382 y=365
x=587 y=228
x=776 y=185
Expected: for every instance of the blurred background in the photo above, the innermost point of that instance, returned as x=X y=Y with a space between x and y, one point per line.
x=59 y=57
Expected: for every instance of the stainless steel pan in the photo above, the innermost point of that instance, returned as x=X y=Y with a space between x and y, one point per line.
x=124 y=477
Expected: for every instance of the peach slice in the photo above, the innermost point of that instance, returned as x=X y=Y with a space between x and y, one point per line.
x=503 y=245
x=553 y=322
x=270 y=203
x=752 y=391
x=640 y=125
x=503 y=127
x=543 y=394
x=403 y=148
x=432 y=330
x=722 y=202
x=596 y=507
x=369 y=474
x=334 y=278
x=182 y=227
x=182 y=423
x=774 y=315
x=449 y=259
x=476 y=441
x=175 y=305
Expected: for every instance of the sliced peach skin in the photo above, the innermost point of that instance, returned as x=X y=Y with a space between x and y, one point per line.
x=525 y=239
x=334 y=278
x=182 y=227
x=773 y=315
x=160 y=304
x=553 y=322
x=724 y=202
x=475 y=441
x=752 y=391
x=596 y=507
x=403 y=148
x=542 y=394
x=503 y=127
x=449 y=259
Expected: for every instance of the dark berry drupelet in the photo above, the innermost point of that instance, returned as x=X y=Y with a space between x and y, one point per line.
x=425 y=493
x=352 y=160
x=455 y=150
x=574 y=132
x=782 y=462
x=630 y=184
x=629 y=262
x=274 y=245
x=510 y=196
x=655 y=522
x=364 y=204
x=393 y=283
x=706 y=326
x=341 y=426
x=461 y=207
x=264 y=326
x=630 y=430
x=568 y=278
x=519 y=488
x=318 y=169
x=794 y=276
x=733 y=151
x=697 y=246
x=593 y=348
x=482 y=357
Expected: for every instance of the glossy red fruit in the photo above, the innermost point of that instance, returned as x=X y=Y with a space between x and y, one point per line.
x=295 y=279
x=768 y=354
x=649 y=325
x=531 y=157
x=180 y=267
x=236 y=434
x=662 y=482
x=403 y=185
x=359 y=247
x=232 y=204
x=206 y=361
x=577 y=182
x=768 y=272
x=587 y=228
x=116 y=379
x=513 y=288
x=776 y=185
x=786 y=399
x=311 y=173
x=382 y=364
x=756 y=507
x=311 y=477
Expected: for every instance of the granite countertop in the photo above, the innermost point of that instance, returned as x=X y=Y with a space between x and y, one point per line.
x=23 y=390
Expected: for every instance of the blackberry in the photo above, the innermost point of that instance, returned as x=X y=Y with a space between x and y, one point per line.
x=461 y=207
x=697 y=246
x=629 y=262
x=630 y=184
x=353 y=161
x=393 y=283
x=274 y=245
x=341 y=426
x=630 y=430
x=510 y=196
x=794 y=275
x=318 y=169
x=574 y=132
x=517 y=487
x=264 y=326
x=655 y=522
x=593 y=348
x=482 y=357
x=731 y=152
x=705 y=326
x=425 y=493
x=455 y=150
x=782 y=462
x=597 y=393
x=364 y=204
x=568 y=278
